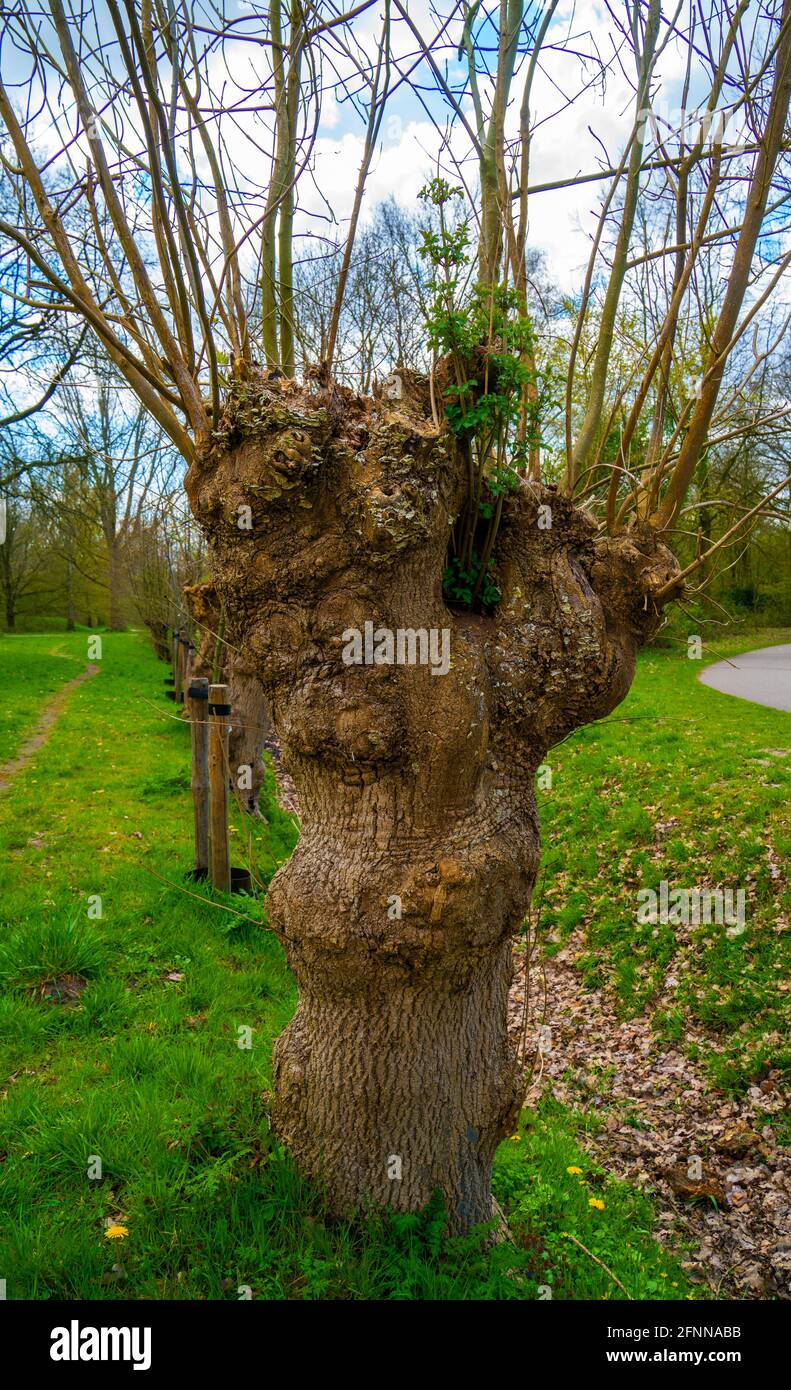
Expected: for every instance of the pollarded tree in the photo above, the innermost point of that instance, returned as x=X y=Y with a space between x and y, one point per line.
x=503 y=614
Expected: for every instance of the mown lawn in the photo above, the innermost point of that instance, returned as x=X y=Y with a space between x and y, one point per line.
x=120 y=1032
x=689 y=786
x=34 y=667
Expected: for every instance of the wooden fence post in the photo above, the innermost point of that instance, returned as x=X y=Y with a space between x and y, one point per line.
x=185 y=667
x=175 y=653
x=220 y=857
x=181 y=670
x=177 y=669
x=198 y=692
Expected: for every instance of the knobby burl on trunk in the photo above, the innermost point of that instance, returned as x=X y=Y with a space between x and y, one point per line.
x=420 y=838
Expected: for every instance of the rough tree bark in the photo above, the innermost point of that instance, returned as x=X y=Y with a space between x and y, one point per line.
x=416 y=790
x=115 y=582
x=249 y=729
x=8 y=578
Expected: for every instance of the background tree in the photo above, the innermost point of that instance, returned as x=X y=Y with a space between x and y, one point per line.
x=120 y=462
x=23 y=560
x=381 y=319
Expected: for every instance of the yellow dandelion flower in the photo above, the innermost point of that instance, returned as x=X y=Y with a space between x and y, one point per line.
x=515 y=1138
x=574 y=1171
x=596 y=1202
x=116 y=1232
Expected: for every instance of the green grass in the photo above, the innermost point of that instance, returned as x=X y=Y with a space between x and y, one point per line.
x=40 y=623
x=683 y=784
x=35 y=666
x=138 y=1063
x=42 y=950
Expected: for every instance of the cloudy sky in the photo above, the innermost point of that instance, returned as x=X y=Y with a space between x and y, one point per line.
x=582 y=125
x=581 y=122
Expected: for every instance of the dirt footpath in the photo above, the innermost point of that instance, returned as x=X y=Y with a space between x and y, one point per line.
x=41 y=732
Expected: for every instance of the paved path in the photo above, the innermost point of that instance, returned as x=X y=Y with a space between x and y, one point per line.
x=763 y=676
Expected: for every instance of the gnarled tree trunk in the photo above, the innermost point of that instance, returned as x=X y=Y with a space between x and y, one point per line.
x=420 y=838
x=249 y=730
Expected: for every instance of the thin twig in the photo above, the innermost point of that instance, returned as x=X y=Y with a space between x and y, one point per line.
x=600 y=1263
